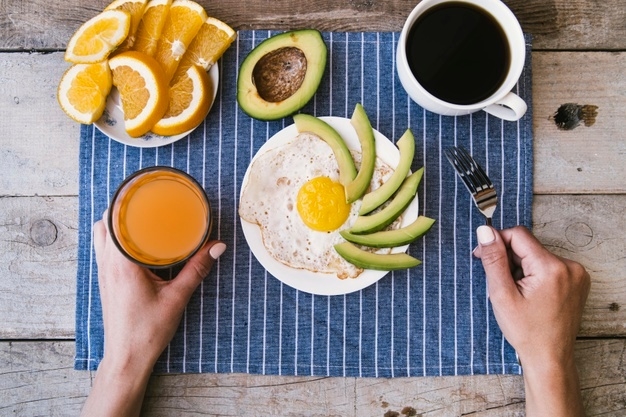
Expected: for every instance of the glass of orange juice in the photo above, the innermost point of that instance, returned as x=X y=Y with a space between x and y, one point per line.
x=159 y=217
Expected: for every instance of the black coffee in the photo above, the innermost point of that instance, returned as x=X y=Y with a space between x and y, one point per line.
x=458 y=53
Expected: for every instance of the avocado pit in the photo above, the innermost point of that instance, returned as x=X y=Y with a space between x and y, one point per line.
x=279 y=74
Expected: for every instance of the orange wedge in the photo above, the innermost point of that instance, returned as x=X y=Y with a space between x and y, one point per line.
x=190 y=100
x=143 y=90
x=98 y=37
x=135 y=8
x=210 y=43
x=151 y=26
x=83 y=91
x=181 y=26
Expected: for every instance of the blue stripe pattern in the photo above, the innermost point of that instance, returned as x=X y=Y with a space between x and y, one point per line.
x=434 y=319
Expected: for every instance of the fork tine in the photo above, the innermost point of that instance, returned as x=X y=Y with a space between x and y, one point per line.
x=481 y=173
x=461 y=171
x=465 y=169
x=475 y=179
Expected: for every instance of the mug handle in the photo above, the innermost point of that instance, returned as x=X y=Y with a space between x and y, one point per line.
x=510 y=107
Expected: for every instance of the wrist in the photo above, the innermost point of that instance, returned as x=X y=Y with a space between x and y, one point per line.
x=125 y=370
x=118 y=389
x=552 y=387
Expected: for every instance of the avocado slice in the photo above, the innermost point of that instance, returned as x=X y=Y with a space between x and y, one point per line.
x=369 y=260
x=357 y=187
x=392 y=238
x=311 y=124
x=281 y=74
x=386 y=216
x=372 y=200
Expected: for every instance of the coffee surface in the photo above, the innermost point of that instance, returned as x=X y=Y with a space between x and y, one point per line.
x=458 y=53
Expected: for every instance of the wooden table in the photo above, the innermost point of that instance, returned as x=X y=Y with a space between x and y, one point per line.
x=579 y=56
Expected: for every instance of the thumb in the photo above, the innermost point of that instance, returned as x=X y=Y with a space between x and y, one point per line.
x=493 y=254
x=197 y=268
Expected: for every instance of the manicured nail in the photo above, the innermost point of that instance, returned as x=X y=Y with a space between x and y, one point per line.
x=217 y=250
x=485 y=235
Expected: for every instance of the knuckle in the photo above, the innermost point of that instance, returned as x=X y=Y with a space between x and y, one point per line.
x=579 y=273
x=203 y=267
x=491 y=257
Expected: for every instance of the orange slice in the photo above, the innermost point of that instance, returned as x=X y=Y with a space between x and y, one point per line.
x=181 y=26
x=98 y=37
x=83 y=91
x=143 y=90
x=190 y=100
x=151 y=26
x=135 y=8
x=210 y=43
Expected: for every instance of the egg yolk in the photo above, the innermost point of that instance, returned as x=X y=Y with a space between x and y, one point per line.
x=322 y=204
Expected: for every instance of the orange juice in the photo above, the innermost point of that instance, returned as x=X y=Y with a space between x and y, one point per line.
x=159 y=217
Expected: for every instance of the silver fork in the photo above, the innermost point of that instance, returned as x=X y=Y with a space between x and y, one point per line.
x=475 y=179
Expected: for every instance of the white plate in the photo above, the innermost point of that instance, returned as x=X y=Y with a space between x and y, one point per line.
x=315 y=282
x=112 y=121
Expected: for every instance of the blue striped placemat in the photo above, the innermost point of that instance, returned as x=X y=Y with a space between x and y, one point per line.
x=434 y=319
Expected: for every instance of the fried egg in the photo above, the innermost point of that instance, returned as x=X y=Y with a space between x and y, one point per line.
x=293 y=194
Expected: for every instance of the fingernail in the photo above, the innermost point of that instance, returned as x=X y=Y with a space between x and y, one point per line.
x=485 y=235
x=217 y=250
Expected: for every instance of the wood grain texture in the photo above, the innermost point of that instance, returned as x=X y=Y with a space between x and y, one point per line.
x=38 y=238
x=36 y=379
x=555 y=24
x=43 y=160
x=587 y=159
x=37 y=292
x=590 y=230
x=38 y=141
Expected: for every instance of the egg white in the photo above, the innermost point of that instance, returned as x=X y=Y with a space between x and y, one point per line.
x=269 y=200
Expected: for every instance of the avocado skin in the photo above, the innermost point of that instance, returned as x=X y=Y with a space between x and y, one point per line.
x=311 y=43
x=374 y=199
x=377 y=261
x=361 y=123
x=380 y=220
x=311 y=124
x=392 y=238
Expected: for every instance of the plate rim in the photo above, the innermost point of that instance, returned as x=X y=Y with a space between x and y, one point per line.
x=149 y=140
x=318 y=283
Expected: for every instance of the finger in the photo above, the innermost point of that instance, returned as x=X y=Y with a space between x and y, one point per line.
x=105 y=219
x=197 y=268
x=99 y=238
x=523 y=243
x=493 y=254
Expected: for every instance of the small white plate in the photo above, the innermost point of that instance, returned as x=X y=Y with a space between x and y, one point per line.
x=112 y=121
x=316 y=282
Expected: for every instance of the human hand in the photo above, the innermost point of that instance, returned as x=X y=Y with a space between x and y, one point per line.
x=141 y=313
x=537 y=299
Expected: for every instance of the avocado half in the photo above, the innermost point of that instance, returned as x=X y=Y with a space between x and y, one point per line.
x=281 y=74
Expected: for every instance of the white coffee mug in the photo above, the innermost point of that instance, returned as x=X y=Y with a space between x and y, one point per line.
x=502 y=103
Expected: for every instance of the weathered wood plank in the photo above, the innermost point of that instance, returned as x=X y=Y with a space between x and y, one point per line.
x=557 y=24
x=36 y=379
x=38 y=238
x=586 y=159
x=37 y=292
x=38 y=142
x=32 y=119
x=590 y=230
